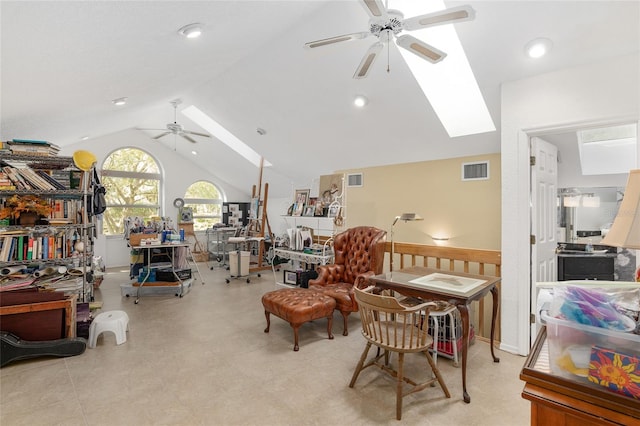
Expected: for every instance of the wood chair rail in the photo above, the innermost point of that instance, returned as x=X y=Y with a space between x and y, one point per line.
x=473 y=261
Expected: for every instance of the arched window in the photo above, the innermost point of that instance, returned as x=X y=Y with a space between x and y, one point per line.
x=133 y=182
x=205 y=199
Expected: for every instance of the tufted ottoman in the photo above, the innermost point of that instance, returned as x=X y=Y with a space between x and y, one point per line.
x=297 y=306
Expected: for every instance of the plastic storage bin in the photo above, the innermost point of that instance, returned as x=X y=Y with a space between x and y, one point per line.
x=570 y=344
x=244 y=263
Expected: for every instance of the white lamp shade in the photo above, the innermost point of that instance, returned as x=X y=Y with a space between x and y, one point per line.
x=591 y=201
x=571 y=200
x=625 y=231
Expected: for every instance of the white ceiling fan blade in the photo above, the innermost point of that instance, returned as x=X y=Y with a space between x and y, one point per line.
x=187 y=137
x=375 y=8
x=161 y=135
x=420 y=48
x=447 y=16
x=144 y=128
x=368 y=60
x=337 y=39
x=204 y=135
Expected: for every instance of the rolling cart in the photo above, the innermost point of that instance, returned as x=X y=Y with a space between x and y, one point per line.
x=218 y=244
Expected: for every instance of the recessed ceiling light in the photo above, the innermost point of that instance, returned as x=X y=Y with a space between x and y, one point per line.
x=538 y=47
x=360 y=101
x=191 y=30
x=84 y=138
x=119 y=101
x=194 y=152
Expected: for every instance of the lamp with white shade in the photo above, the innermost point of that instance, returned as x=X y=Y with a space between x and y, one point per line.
x=625 y=231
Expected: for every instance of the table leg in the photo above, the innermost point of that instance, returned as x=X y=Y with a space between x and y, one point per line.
x=494 y=319
x=464 y=316
x=146 y=277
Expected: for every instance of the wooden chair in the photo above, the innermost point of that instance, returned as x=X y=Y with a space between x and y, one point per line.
x=393 y=327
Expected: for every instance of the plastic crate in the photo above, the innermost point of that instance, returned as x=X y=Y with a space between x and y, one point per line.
x=168 y=275
x=445 y=333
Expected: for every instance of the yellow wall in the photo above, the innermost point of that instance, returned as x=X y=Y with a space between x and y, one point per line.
x=468 y=212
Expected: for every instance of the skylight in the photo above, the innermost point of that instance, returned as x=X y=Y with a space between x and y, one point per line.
x=608 y=150
x=225 y=136
x=449 y=85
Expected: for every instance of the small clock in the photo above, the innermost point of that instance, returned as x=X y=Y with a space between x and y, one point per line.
x=178 y=203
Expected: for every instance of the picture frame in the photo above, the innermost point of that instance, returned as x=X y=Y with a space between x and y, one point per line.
x=309 y=211
x=302 y=196
x=331 y=187
x=290 y=277
x=334 y=210
x=298 y=208
x=254 y=209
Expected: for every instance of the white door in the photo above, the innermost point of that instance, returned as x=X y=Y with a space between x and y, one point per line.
x=544 y=188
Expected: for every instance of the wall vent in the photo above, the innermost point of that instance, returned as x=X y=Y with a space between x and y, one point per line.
x=354 y=179
x=475 y=171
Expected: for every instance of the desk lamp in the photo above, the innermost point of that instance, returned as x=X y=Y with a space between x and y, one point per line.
x=406 y=217
x=625 y=231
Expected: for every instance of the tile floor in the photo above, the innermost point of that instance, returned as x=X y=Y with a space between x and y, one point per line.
x=204 y=360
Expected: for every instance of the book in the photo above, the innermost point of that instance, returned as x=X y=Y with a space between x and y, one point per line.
x=35 y=179
x=30 y=248
x=17 y=180
x=12 y=248
x=20 y=248
x=29 y=141
x=36 y=243
x=6 y=248
x=45 y=176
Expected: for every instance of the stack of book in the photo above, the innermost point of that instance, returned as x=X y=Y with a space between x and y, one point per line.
x=32 y=147
x=25 y=178
x=5 y=182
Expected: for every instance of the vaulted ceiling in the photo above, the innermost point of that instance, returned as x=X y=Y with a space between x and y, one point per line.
x=63 y=62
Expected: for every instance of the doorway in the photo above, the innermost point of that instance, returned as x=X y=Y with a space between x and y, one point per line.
x=613 y=144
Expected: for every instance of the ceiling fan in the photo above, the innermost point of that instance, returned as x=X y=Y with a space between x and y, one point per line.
x=177 y=129
x=386 y=24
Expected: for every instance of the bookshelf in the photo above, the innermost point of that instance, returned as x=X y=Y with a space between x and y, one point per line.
x=60 y=242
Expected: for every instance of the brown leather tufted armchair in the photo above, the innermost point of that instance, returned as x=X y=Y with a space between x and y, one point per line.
x=358 y=254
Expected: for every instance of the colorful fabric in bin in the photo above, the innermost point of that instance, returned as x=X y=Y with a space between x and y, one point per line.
x=615 y=370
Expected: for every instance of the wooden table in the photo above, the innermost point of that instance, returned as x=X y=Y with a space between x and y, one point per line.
x=400 y=281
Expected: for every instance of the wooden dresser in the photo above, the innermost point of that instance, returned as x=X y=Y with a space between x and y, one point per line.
x=557 y=401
